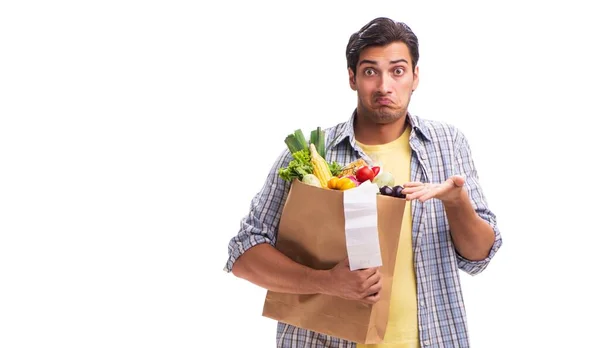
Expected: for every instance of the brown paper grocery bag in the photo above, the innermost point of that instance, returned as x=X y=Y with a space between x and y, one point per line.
x=312 y=233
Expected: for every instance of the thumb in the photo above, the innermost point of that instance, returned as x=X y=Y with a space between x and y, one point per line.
x=457 y=180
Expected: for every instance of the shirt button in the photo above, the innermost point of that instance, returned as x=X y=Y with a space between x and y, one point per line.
x=422 y=304
x=426 y=343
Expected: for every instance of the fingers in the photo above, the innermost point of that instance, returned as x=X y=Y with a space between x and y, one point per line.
x=417 y=193
x=424 y=192
x=372 y=299
x=366 y=273
x=375 y=287
x=413 y=184
x=454 y=180
x=373 y=279
x=413 y=189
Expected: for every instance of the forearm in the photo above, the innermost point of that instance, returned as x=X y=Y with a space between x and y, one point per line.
x=473 y=237
x=267 y=267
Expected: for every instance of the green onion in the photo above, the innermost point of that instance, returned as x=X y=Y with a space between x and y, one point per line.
x=317 y=137
x=296 y=142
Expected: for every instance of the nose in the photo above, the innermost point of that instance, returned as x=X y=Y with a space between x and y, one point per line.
x=385 y=84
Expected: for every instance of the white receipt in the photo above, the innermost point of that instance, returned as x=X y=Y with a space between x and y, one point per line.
x=362 y=236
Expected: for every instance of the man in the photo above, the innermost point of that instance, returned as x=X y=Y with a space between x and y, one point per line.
x=452 y=227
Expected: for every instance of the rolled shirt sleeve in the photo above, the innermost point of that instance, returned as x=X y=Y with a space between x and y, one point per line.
x=261 y=223
x=466 y=167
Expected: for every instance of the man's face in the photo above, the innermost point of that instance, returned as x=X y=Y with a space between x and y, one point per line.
x=384 y=82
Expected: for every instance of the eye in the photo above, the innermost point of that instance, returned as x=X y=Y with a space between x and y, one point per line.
x=399 y=71
x=369 y=72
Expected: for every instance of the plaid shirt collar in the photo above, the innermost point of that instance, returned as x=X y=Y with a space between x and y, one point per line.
x=347 y=130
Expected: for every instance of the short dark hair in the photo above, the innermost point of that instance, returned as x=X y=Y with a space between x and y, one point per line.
x=380 y=32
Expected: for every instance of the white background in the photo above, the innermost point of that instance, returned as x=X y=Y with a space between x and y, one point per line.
x=134 y=134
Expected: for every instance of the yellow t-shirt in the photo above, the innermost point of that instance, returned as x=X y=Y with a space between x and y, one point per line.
x=402 y=330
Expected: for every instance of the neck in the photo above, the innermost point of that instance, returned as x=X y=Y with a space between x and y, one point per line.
x=371 y=133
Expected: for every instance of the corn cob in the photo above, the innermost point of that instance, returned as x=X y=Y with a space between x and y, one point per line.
x=320 y=167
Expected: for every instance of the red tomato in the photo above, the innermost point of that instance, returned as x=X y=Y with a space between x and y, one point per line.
x=375 y=170
x=364 y=173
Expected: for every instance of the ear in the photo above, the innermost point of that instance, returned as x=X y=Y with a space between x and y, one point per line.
x=415 y=83
x=352 y=79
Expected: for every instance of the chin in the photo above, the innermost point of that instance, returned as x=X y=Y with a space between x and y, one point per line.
x=386 y=115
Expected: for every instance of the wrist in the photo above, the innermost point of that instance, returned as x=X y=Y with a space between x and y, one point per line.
x=320 y=280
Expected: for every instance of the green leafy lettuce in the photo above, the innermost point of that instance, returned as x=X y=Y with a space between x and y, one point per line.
x=298 y=167
x=335 y=168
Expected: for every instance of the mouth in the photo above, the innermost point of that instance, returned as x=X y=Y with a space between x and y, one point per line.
x=384 y=101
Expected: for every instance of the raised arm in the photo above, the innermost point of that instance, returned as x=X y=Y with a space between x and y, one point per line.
x=472 y=224
x=476 y=237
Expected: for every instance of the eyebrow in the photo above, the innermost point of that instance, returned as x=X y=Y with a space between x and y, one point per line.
x=367 y=61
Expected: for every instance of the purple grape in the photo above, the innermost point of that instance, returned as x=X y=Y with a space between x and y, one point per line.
x=397 y=191
x=386 y=190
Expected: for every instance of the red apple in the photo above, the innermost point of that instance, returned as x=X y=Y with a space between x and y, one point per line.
x=375 y=170
x=364 y=173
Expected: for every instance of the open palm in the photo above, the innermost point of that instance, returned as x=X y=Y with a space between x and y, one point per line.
x=447 y=191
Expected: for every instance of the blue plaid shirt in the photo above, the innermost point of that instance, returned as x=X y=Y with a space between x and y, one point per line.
x=439 y=151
